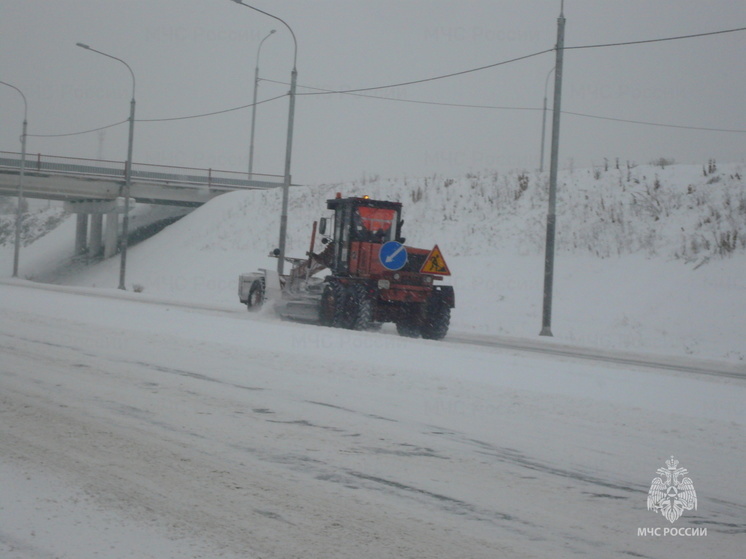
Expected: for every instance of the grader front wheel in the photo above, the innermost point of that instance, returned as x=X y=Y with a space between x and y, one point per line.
x=256 y=295
x=333 y=302
x=361 y=308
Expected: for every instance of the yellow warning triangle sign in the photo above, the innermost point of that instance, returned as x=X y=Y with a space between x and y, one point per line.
x=435 y=263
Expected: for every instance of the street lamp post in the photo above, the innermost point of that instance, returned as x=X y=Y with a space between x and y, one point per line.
x=127 y=169
x=253 y=106
x=19 y=209
x=289 y=145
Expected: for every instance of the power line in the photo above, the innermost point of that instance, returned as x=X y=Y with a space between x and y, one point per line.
x=525 y=57
x=157 y=119
x=661 y=125
x=212 y=113
x=358 y=91
x=78 y=133
x=677 y=38
x=535 y=109
x=414 y=101
x=318 y=92
x=441 y=77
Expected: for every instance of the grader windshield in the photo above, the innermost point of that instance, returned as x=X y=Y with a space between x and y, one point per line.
x=374 y=225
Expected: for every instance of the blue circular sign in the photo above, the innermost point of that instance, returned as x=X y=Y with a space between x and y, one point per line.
x=393 y=255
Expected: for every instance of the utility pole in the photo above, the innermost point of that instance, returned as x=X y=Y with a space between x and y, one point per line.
x=127 y=188
x=289 y=143
x=19 y=208
x=544 y=122
x=546 y=328
x=286 y=184
x=21 y=204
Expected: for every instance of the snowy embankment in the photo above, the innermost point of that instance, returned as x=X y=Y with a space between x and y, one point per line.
x=649 y=258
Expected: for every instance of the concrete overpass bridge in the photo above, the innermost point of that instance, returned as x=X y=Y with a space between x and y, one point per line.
x=92 y=189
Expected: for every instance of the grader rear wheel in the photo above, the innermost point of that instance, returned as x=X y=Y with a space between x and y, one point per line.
x=408 y=329
x=409 y=324
x=437 y=319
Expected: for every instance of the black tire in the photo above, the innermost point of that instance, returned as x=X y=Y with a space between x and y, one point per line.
x=408 y=328
x=333 y=303
x=361 y=308
x=409 y=324
x=256 y=295
x=437 y=319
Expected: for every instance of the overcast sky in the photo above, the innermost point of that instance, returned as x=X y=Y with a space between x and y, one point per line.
x=197 y=56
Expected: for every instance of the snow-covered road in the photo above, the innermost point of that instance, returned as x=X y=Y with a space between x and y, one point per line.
x=134 y=429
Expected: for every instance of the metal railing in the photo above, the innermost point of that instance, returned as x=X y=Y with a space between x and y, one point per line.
x=165 y=175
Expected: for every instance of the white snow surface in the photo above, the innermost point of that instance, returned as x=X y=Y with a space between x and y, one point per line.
x=172 y=423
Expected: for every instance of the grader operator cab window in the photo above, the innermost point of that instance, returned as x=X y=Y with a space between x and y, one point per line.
x=374 y=225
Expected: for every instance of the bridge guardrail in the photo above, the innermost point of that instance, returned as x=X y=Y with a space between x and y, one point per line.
x=166 y=175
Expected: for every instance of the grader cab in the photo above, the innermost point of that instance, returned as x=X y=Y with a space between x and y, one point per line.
x=373 y=276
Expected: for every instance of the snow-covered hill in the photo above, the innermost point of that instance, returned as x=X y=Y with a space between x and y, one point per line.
x=649 y=257
x=680 y=211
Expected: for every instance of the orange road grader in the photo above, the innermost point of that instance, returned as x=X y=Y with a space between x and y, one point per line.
x=373 y=277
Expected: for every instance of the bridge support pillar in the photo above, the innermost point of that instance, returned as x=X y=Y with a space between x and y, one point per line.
x=81 y=233
x=95 y=238
x=100 y=237
x=110 y=234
